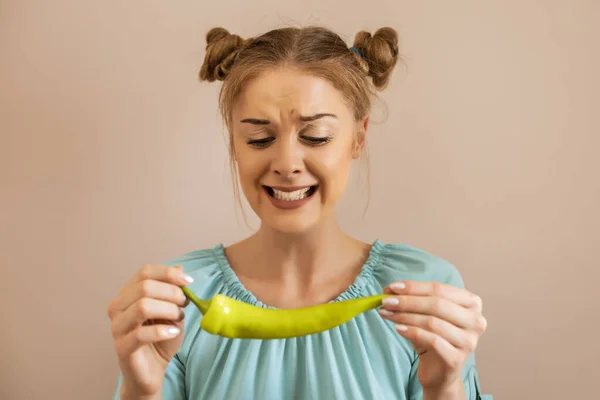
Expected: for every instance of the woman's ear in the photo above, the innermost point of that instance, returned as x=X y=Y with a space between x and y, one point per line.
x=360 y=138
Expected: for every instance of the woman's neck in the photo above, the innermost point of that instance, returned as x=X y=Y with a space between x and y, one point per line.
x=299 y=265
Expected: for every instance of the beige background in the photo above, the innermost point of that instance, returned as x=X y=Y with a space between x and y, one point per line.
x=112 y=156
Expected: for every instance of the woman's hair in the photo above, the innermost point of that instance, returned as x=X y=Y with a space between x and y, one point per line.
x=357 y=71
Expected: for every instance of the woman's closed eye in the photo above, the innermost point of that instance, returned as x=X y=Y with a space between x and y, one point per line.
x=316 y=141
x=261 y=143
x=315 y=135
x=310 y=140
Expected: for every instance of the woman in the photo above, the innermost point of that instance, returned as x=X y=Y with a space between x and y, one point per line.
x=296 y=103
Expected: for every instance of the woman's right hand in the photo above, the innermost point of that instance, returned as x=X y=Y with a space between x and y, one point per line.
x=147 y=326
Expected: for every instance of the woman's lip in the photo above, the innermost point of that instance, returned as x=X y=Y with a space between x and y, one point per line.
x=289 y=204
x=289 y=188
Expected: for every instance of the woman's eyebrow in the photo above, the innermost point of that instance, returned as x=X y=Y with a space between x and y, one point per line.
x=315 y=117
x=255 y=121
x=303 y=118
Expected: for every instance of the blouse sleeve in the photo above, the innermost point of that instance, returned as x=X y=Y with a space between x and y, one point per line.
x=173 y=384
x=470 y=380
x=470 y=376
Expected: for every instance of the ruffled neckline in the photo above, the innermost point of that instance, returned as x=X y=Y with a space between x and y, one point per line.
x=234 y=288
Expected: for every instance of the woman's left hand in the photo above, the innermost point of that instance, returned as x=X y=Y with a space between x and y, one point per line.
x=442 y=322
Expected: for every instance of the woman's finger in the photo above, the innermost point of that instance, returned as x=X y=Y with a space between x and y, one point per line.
x=154 y=290
x=425 y=340
x=137 y=287
x=433 y=306
x=455 y=336
x=143 y=310
x=164 y=273
x=454 y=294
x=145 y=335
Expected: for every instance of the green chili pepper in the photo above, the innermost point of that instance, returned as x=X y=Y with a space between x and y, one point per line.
x=231 y=318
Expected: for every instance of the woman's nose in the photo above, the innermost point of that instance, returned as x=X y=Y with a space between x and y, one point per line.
x=288 y=158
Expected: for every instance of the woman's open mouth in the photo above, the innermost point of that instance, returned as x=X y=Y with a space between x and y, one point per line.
x=283 y=195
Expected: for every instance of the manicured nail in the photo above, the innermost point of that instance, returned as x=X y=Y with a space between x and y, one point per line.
x=401 y=327
x=390 y=301
x=385 y=313
x=172 y=331
x=398 y=285
x=186 y=278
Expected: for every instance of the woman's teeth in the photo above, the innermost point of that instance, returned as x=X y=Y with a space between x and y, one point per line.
x=290 y=196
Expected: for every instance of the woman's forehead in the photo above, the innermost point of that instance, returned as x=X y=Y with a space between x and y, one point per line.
x=291 y=92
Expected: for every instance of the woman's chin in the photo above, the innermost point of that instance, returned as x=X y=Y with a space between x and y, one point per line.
x=290 y=224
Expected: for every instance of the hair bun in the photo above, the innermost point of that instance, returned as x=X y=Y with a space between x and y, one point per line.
x=380 y=52
x=215 y=35
x=221 y=49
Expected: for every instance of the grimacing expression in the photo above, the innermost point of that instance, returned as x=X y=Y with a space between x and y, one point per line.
x=294 y=138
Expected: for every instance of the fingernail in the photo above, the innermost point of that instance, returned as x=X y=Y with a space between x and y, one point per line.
x=385 y=313
x=172 y=331
x=401 y=327
x=398 y=285
x=186 y=278
x=390 y=301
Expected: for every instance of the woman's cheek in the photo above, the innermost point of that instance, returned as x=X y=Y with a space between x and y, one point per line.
x=333 y=177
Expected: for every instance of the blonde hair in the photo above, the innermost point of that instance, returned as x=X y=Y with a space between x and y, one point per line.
x=357 y=72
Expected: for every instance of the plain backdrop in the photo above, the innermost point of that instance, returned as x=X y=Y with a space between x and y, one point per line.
x=484 y=151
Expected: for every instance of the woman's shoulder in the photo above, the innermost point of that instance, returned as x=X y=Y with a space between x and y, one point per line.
x=196 y=259
x=204 y=265
x=400 y=261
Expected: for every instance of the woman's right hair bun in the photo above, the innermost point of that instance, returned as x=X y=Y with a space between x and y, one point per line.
x=221 y=49
x=380 y=52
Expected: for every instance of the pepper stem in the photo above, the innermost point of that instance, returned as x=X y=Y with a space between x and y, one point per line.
x=201 y=304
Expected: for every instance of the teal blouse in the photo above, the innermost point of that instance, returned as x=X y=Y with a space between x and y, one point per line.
x=362 y=359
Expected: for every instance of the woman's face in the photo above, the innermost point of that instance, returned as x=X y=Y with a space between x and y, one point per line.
x=294 y=138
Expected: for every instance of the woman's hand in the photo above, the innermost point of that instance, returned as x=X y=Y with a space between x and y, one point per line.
x=147 y=326
x=442 y=322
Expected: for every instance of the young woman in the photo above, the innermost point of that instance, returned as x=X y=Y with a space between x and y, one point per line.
x=296 y=103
